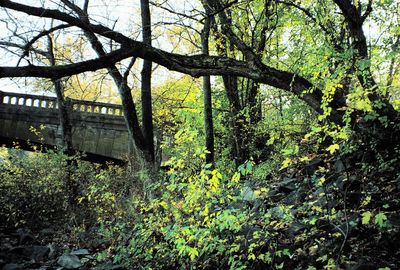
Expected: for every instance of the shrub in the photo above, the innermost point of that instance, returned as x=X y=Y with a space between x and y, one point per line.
x=32 y=190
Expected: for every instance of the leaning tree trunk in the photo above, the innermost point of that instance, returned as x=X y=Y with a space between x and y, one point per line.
x=128 y=106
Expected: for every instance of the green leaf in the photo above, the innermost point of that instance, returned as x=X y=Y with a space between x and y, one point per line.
x=366 y=217
x=381 y=219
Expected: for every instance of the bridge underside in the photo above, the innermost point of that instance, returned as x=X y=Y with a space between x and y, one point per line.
x=34 y=146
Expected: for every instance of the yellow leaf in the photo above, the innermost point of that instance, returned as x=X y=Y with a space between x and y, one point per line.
x=332 y=149
x=285 y=163
x=236 y=177
x=304 y=159
x=322 y=180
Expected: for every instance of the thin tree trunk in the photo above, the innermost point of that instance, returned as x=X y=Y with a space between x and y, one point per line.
x=66 y=128
x=208 y=117
x=65 y=121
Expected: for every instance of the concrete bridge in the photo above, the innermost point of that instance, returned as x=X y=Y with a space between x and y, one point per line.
x=98 y=128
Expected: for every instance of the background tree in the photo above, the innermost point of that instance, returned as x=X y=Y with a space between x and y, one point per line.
x=325 y=91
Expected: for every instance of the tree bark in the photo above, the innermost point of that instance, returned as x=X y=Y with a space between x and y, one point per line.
x=66 y=128
x=147 y=111
x=128 y=106
x=63 y=108
x=208 y=116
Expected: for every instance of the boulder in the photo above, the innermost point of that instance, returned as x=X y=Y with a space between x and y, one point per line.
x=69 y=261
x=287 y=185
x=25 y=236
x=313 y=165
x=80 y=252
x=108 y=266
x=37 y=253
x=13 y=266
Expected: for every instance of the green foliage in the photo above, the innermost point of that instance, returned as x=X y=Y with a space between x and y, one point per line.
x=32 y=189
x=36 y=187
x=201 y=219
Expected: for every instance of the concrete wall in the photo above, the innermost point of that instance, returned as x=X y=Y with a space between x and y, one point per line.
x=95 y=133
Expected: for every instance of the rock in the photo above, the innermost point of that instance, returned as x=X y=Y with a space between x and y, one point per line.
x=25 y=236
x=287 y=185
x=47 y=232
x=293 y=198
x=339 y=166
x=341 y=182
x=398 y=183
x=248 y=194
x=13 y=266
x=108 y=266
x=311 y=167
x=52 y=251
x=18 y=250
x=69 y=261
x=80 y=252
x=394 y=220
x=38 y=253
x=295 y=229
x=364 y=266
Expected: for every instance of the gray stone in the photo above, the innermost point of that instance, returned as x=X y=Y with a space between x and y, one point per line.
x=287 y=185
x=398 y=183
x=25 y=236
x=340 y=182
x=295 y=229
x=47 y=232
x=312 y=166
x=37 y=253
x=394 y=220
x=339 y=166
x=80 y=252
x=69 y=261
x=248 y=194
x=13 y=266
x=364 y=266
x=293 y=198
x=52 y=251
x=108 y=266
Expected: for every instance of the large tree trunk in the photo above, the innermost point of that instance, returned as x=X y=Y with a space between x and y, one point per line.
x=147 y=111
x=240 y=139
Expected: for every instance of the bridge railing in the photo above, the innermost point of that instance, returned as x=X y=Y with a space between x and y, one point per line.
x=45 y=102
x=95 y=107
